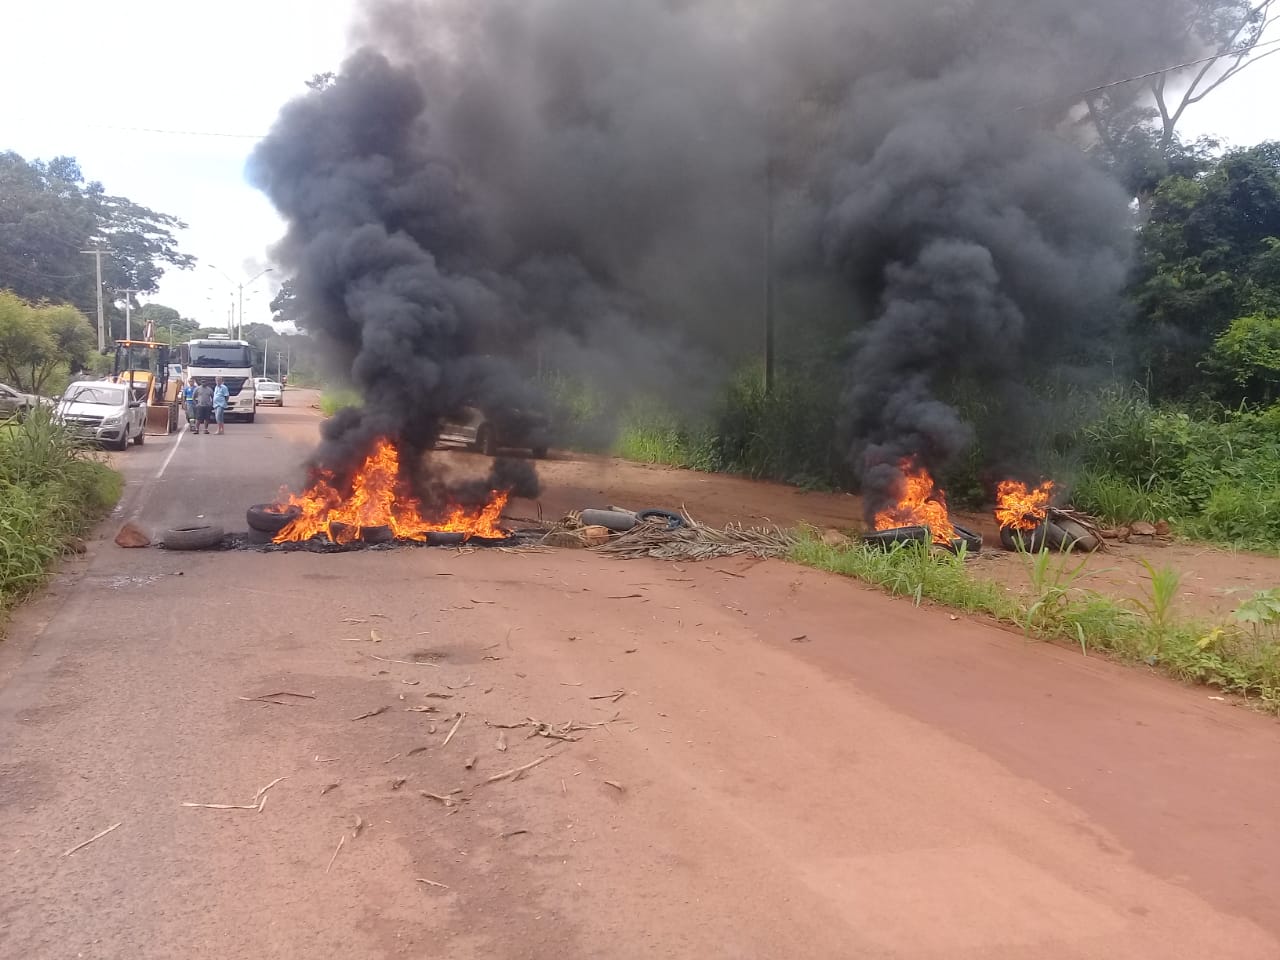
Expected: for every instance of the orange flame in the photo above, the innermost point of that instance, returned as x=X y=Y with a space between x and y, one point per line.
x=378 y=499
x=1021 y=507
x=922 y=505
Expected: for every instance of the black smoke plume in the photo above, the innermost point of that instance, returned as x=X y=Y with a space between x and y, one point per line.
x=491 y=185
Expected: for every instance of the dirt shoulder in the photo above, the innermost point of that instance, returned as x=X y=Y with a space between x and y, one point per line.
x=1214 y=581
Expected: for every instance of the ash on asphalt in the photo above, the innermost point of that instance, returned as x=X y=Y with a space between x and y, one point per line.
x=241 y=542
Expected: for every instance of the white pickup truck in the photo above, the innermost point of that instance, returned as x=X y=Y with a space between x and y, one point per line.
x=103 y=411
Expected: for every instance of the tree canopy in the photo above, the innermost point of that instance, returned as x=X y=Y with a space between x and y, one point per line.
x=1209 y=255
x=36 y=340
x=49 y=215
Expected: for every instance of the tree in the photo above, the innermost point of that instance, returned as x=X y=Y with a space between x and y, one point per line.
x=50 y=214
x=1208 y=254
x=1136 y=123
x=1246 y=359
x=166 y=323
x=36 y=340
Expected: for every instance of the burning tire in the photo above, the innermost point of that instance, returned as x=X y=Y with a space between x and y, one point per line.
x=1029 y=541
x=202 y=537
x=888 y=539
x=1072 y=536
x=270 y=518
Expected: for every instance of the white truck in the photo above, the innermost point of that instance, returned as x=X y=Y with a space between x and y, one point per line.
x=232 y=360
x=104 y=412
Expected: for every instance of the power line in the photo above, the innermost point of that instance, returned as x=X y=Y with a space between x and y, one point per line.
x=1149 y=75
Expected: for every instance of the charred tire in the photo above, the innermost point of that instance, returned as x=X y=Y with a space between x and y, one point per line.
x=1076 y=536
x=972 y=542
x=1030 y=541
x=378 y=534
x=203 y=537
x=888 y=539
x=261 y=517
x=441 y=538
x=260 y=538
x=674 y=520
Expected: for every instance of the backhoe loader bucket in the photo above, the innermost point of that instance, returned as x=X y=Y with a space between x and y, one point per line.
x=162 y=420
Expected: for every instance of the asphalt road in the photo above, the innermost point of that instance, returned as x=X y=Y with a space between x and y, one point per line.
x=724 y=760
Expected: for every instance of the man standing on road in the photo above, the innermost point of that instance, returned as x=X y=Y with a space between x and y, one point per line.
x=189 y=398
x=221 y=396
x=204 y=406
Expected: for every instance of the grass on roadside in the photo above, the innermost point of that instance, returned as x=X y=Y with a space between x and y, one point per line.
x=338 y=398
x=1240 y=655
x=52 y=489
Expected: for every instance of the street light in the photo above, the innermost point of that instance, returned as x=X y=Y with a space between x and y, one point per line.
x=240 y=289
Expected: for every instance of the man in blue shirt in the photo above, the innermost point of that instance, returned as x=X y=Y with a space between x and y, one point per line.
x=189 y=397
x=220 y=397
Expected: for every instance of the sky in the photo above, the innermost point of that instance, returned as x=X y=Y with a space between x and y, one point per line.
x=94 y=77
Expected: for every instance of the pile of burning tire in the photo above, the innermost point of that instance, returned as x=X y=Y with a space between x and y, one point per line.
x=966 y=540
x=1055 y=532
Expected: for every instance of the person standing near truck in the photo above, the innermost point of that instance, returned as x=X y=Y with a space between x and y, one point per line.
x=189 y=400
x=204 y=406
x=221 y=397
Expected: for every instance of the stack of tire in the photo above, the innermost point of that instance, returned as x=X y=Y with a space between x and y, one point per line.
x=1054 y=533
x=268 y=519
x=965 y=539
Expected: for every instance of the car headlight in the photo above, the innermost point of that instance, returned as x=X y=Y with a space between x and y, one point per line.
x=111 y=421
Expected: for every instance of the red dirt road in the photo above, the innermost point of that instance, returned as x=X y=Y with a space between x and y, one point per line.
x=795 y=767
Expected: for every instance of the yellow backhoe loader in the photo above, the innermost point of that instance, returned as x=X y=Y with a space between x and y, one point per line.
x=144 y=366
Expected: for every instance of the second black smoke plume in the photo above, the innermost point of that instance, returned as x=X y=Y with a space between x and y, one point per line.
x=490 y=181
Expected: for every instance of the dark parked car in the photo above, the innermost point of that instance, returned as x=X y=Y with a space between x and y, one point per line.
x=493 y=431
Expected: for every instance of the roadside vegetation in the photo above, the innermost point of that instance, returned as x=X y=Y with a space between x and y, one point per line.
x=1240 y=655
x=334 y=399
x=52 y=491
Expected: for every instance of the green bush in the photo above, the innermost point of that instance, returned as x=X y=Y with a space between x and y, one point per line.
x=52 y=489
x=1215 y=475
x=338 y=398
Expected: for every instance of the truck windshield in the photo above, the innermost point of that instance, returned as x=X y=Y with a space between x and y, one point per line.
x=111 y=396
x=219 y=355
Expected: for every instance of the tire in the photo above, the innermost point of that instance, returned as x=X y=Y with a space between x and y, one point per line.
x=123 y=442
x=142 y=435
x=972 y=542
x=614 y=520
x=250 y=418
x=202 y=537
x=261 y=517
x=487 y=440
x=1030 y=541
x=260 y=538
x=888 y=539
x=1077 y=536
x=674 y=520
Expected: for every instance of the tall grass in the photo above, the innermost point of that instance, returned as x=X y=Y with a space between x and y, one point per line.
x=334 y=399
x=52 y=489
x=1240 y=655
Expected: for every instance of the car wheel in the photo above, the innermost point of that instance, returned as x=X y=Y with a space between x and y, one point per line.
x=250 y=418
x=141 y=436
x=123 y=442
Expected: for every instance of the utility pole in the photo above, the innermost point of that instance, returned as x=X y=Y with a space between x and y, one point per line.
x=768 y=277
x=96 y=253
x=279 y=356
x=128 y=317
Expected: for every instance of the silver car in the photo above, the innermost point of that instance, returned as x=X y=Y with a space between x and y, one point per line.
x=102 y=411
x=15 y=403
x=269 y=392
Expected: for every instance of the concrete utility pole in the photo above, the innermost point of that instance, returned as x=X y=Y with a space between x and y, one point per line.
x=96 y=253
x=128 y=316
x=238 y=320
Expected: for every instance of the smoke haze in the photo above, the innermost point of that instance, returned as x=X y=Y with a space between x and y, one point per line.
x=495 y=183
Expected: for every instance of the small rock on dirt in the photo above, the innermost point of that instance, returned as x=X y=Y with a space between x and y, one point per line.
x=1142 y=529
x=594 y=536
x=130 y=537
x=1162 y=528
x=834 y=538
x=1114 y=533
